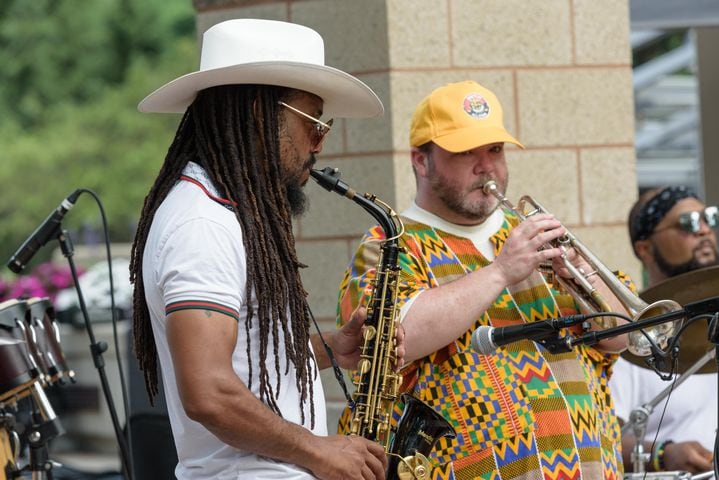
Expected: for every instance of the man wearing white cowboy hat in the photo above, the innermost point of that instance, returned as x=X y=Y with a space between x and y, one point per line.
x=218 y=296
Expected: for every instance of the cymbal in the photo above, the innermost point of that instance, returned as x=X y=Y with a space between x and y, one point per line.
x=686 y=288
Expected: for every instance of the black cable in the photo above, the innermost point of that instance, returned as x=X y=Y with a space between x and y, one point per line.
x=336 y=368
x=113 y=310
x=661 y=420
x=589 y=316
x=672 y=350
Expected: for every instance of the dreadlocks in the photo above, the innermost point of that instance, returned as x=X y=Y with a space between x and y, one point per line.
x=232 y=131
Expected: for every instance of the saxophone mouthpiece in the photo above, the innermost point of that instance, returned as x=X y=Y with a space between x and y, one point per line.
x=329 y=179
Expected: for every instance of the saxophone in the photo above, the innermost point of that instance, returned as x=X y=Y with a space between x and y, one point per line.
x=377 y=384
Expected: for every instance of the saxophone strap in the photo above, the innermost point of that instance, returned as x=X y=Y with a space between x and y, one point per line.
x=335 y=367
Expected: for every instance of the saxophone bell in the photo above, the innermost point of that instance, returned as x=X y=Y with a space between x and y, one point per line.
x=418 y=431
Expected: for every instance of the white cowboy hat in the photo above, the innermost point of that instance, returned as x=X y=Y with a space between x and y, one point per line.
x=267 y=52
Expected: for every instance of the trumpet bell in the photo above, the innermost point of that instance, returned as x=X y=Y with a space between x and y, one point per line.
x=640 y=341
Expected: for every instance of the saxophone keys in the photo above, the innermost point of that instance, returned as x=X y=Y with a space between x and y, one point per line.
x=364 y=366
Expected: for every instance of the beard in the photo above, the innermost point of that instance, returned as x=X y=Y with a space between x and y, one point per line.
x=296 y=198
x=294 y=188
x=455 y=197
x=671 y=270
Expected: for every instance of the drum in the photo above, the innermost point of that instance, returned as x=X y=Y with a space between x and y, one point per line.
x=45 y=343
x=9 y=449
x=18 y=369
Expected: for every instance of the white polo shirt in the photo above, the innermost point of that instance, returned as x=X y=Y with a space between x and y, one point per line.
x=194 y=258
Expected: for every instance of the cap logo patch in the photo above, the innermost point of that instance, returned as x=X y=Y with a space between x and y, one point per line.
x=475 y=105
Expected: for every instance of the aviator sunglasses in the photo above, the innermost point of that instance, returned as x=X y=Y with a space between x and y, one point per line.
x=690 y=222
x=321 y=128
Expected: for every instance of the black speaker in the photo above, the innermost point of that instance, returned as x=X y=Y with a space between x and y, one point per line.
x=152 y=446
x=153 y=449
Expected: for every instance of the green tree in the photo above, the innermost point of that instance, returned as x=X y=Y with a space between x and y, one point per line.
x=69 y=117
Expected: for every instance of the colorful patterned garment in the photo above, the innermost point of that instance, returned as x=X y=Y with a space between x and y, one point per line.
x=520 y=413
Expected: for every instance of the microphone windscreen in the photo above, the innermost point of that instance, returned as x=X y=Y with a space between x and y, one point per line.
x=482 y=340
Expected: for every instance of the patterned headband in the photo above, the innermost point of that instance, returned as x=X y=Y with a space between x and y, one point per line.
x=646 y=220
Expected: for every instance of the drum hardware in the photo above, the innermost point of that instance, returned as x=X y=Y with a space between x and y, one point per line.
x=703 y=476
x=46 y=426
x=668 y=476
x=41 y=321
x=639 y=417
x=9 y=447
x=659 y=476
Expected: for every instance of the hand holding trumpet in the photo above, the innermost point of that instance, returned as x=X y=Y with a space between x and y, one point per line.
x=526 y=248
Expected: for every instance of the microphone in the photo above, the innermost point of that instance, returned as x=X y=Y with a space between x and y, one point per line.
x=486 y=340
x=49 y=228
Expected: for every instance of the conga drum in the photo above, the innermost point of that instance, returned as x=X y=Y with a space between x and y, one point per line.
x=9 y=450
x=18 y=370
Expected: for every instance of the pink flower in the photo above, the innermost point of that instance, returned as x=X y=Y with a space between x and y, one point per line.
x=45 y=280
x=28 y=286
x=4 y=290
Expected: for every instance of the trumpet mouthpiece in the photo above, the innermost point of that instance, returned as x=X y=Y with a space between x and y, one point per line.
x=490 y=187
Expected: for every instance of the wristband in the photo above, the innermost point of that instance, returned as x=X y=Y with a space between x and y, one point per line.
x=658 y=457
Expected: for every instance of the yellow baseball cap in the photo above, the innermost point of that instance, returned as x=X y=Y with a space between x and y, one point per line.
x=459 y=117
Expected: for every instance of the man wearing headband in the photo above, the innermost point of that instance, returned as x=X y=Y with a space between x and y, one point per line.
x=218 y=297
x=672 y=232
x=519 y=411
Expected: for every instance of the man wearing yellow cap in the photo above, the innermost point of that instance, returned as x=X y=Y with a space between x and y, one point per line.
x=519 y=411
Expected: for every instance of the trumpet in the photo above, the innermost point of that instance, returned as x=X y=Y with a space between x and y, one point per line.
x=586 y=295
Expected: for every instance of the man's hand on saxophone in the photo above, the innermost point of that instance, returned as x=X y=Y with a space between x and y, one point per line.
x=346 y=343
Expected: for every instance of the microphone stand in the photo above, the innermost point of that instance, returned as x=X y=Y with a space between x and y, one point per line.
x=96 y=349
x=639 y=417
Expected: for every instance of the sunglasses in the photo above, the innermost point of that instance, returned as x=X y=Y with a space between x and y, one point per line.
x=690 y=222
x=321 y=128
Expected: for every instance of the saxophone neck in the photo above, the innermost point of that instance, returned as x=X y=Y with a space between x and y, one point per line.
x=329 y=178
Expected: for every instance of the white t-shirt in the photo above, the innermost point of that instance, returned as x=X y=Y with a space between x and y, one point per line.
x=478 y=234
x=195 y=257
x=691 y=413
